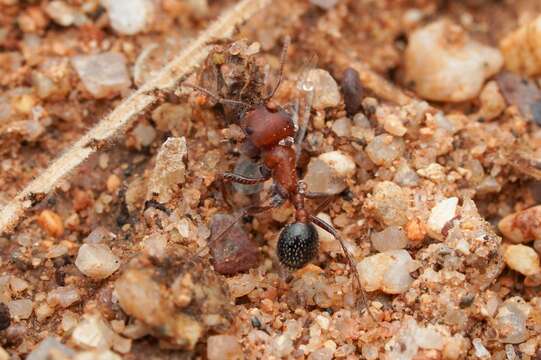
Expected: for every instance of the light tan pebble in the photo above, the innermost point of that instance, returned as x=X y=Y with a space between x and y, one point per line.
x=523 y=226
x=51 y=222
x=65 y=296
x=224 y=347
x=20 y=309
x=96 y=261
x=43 y=312
x=4 y=354
x=388 y=271
x=130 y=17
x=103 y=75
x=169 y=171
x=93 y=332
x=97 y=355
x=455 y=347
x=389 y=203
x=343 y=165
x=64 y=14
x=522 y=258
x=440 y=215
x=415 y=230
x=113 y=183
x=18 y=285
x=434 y=172
x=492 y=102
x=445 y=64
x=384 y=149
x=69 y=321
x=326 y=89
x=155 y=245
x=394 y=126
x=521 y=49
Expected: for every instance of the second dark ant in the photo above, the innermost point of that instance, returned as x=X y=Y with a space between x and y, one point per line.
x=271 y=132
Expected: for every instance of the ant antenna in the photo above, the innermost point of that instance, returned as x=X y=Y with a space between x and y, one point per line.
x=216 y=97
x=283 y=57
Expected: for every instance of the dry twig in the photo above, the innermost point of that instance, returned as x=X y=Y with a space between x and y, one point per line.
x=116 y=121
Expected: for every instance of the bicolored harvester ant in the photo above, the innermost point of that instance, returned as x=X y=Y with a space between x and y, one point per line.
x=271 y=132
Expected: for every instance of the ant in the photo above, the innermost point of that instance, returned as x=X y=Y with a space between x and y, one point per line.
x=270 y=131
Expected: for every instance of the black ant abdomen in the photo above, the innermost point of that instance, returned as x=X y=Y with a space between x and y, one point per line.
x=298 y=244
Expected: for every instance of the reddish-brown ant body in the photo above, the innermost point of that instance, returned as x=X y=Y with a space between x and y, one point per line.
x=271 y=132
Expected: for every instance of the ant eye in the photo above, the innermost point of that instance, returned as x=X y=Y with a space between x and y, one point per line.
x=249 y=130
x=297 y=245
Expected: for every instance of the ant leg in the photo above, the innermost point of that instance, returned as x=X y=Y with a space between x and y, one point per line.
x=239 y=179
x=283 y=57
x=316 y=195
x=216 y=97
x=331 y=230
x=244 y=180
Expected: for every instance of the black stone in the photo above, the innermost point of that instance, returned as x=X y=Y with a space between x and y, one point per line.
x=5 y=319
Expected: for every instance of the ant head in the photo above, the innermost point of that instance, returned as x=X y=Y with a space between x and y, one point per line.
x=266 y=127
x=297 y=245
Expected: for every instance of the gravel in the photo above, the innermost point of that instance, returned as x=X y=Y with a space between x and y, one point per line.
x=103 y=75
x=96 y=261
x=445 y=64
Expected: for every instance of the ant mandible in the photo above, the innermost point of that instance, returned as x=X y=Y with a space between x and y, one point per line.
x=271 y=132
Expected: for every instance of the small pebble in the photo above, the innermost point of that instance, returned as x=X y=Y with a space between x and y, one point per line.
x=93 y=332
x=523 y=93
x=236 y=252
x=326 y=89
x=384 y=149
x=96 y=261
x=4 y=354
x=64 y=296
x=223 y=347
x=492 y=102
x=51 y=222
x=390 y=203
x=391 y=238
x=521 y=49
x=50 y=348
x=443 y=63
x=388 y=271
x=99 y=235
x=522 y=258
x=129 y=17
x=169 y=171
x=144 y=135
x=440 y=215
x=480 y=350
x=113 y=183
x=523 y=226
x=320 y=177
x=20 y=309
x=155 y=245
x=103 y=75
x=511 y=321
x=353 y=91
x=341 y=164
x=341 y=127
x=64 y=14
